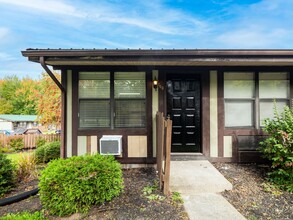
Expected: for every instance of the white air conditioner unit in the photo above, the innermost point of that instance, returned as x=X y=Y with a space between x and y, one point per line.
x=111 y=145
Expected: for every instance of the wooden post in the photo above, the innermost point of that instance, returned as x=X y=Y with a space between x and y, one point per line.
x=168 y=124
x=160 y=145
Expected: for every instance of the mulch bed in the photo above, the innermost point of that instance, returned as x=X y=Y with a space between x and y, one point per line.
x=131 y=204
x=252 y=195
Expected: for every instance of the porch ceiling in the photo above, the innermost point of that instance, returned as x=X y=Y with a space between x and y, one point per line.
x=63 y=57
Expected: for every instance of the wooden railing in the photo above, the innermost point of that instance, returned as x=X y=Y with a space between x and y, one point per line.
x=164 y=134
x=29 y=140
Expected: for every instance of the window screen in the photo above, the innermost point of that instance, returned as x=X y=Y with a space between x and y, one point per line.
x=130 y=113
x=94 y=99
x=129 y=94
x=273 y=92
x=239 y=94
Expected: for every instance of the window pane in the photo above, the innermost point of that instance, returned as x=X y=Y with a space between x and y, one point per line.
x=94 y=113
x=267 y=109
x=130 y=113
x=129 y=85
x=273 y=85
x=94 y=85
x=238 y=85
x=238 y=113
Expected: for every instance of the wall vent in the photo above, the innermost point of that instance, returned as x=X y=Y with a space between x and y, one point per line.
x=111 y=145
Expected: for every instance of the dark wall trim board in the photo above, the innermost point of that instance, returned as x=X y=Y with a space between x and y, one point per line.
x=205 y=82
x=221 y=117
x=74 y=111
x=63 y=151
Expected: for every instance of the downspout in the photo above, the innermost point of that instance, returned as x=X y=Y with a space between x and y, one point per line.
x=63 y=97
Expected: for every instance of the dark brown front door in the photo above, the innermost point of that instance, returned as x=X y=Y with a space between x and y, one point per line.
x=183 y=107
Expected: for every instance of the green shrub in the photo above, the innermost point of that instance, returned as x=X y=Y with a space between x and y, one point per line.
x=75 y=184
x=40 y=142
x=16 y=143
x=48 y=152
x=278 y=148
x=6 y=174
x=40 y=154
x=24 y=216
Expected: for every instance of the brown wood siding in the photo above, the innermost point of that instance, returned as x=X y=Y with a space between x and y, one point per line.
x=221 y=117
x=137 y=160
x=63 y=151
x=162 y=93
x=205 y=82
x=149 y=111
x=74 y=111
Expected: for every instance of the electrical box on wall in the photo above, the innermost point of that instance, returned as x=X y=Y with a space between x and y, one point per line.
x=111 y=145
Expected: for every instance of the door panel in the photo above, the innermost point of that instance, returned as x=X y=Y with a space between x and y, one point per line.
x=183 y=106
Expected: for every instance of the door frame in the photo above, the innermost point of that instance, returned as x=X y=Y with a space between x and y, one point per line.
x=203 y=74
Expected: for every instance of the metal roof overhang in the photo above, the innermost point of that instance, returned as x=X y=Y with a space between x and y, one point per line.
x=93 y=57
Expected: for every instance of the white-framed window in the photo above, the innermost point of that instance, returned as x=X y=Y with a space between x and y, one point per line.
x=239 y=94
x=273 y=88
x=250 y=97
x=112 y=100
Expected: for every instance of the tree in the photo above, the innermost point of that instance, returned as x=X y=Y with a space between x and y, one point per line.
x=18 y=96
x=26 y=97
x=8 y=87
x=49 y=101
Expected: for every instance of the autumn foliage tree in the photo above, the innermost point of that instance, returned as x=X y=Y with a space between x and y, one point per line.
x=18 y=96
x=31 y=97
x=49 y=101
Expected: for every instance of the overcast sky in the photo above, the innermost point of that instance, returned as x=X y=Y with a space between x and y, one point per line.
x=202 y=24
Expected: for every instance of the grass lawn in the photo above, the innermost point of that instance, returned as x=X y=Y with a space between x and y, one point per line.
x=15 y=156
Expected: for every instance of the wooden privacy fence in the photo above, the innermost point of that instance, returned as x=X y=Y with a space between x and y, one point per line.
x=29 y=140
x=164 y=134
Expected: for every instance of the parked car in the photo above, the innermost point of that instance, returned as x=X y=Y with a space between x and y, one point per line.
x=6 y=132
x=20 y=131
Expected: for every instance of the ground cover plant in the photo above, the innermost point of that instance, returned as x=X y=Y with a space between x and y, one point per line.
x=75 y=184
x=24 y=216
x=278 y=148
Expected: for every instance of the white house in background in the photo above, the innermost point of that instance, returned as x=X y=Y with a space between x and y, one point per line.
x=12 y=122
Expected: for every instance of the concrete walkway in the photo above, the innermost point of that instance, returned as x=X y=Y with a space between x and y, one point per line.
x=200 y=184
